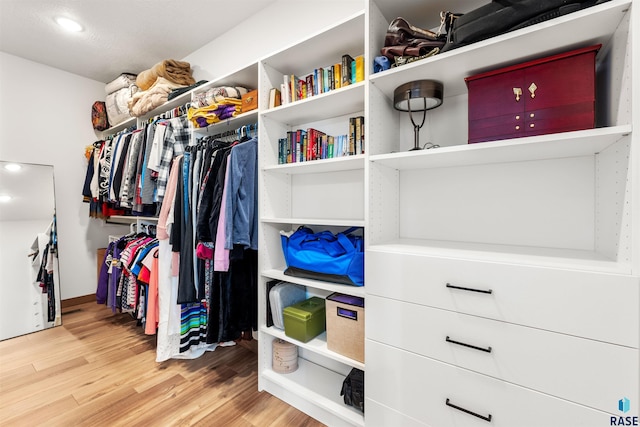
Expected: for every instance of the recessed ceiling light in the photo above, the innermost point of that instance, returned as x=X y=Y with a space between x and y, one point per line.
x=5 y=199
x=68 y=24
x=12 y=167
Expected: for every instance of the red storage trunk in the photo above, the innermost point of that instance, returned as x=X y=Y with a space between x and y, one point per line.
x=548 y=95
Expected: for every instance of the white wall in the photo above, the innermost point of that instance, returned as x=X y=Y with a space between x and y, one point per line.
x=45 y=117
x=277 y=26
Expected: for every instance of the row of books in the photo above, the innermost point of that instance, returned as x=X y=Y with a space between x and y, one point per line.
x=349 y=71
x=311 y=144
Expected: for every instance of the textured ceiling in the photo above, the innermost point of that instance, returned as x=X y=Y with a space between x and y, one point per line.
x=119 y=35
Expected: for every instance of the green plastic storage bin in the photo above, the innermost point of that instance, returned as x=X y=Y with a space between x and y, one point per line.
x=305 y=320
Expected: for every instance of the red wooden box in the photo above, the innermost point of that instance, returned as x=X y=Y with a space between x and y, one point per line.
x=548 y=95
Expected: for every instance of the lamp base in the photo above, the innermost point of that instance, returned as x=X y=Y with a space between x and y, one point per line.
x=416 y=149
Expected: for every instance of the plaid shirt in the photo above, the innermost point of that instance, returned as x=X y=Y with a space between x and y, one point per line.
x=176 y=138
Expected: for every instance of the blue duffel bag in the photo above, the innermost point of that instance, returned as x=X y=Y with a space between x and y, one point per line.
x=325 y=256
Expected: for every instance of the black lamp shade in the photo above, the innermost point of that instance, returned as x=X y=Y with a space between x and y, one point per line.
x=419 y=95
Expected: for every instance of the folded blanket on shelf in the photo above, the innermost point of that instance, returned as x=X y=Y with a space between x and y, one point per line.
x=143 y=102
x=118 y=105
x=214 y=113
x=217 y=94
x=178 y=72
x=122 y=81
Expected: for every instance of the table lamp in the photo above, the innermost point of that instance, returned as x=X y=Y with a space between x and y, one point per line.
x=419 y=95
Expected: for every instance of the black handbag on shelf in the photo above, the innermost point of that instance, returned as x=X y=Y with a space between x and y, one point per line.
x=406 y=40
x=353 y=389
x=503 y=16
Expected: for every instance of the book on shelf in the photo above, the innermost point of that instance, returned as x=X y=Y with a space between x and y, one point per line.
x=337 y=76
x=285 y=88
x=347 y=60
x=319 y=74
x=352 y=136
x=359 y=75
x=289 y=145
x=297 y=87
x=332 y=83
x=303 y=145
x=359 y=135
x=281 y=150
x=309 y=86
x=327 y=79
x=356 y=135
x=323 y=79
x=275 y=97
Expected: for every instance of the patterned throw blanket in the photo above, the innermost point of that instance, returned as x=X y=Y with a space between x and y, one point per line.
x=178 y=72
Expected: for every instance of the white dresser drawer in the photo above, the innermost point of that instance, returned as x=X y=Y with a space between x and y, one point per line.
x=420 y=388
x=377 y=415
x=592 y=305
x=561 y=365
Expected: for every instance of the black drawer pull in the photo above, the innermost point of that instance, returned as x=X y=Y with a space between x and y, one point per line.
x=466 y=411
x=488 y=349
x=488 y=291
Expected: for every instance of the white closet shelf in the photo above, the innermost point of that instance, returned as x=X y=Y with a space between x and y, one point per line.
x=338 y=102
x=317 y=345
x=315 y=221
x=127 y=219
x=528 y=255
x=318 y=385
x=583 y=28
x=243 y=77
x=552 y=146
x=120 y=126
x=278 y=274
x=320 y=166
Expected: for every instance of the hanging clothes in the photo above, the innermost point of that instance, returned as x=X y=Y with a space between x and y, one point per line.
x=195 y=283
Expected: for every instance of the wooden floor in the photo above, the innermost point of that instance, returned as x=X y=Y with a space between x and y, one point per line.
x=99 y=369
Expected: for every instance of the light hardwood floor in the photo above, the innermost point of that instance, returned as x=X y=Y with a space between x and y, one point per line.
x=99 y=369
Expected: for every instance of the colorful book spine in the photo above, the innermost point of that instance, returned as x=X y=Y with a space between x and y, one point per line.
x=359 y=68
x=352 y=136
x=337 y=75
x=347 y=60
x=353 y=72
x=290 y=142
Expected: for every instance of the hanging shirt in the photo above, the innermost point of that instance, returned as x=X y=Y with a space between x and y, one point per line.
x=176 y=138
x=242 y=202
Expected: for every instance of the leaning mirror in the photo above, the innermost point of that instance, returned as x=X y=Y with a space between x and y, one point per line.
x=29 y=276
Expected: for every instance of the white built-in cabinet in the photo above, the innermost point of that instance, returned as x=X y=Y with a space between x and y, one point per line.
x=323 y=194
x=502 y=278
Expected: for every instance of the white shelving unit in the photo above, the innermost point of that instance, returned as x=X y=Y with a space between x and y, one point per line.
x=488 y=243
x=321 y=194
x=522 y=244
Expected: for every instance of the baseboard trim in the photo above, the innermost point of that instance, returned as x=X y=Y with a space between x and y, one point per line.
x=65 y=303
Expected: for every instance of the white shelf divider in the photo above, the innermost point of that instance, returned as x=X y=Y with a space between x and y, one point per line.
x=551 y=146
x=320 y=166
x=315 y=221
x=335 y=103
x=527 y=255
x=278 y=274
